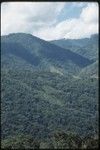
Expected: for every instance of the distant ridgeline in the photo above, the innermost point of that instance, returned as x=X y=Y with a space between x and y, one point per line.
x=87 y=47
x=41 y=54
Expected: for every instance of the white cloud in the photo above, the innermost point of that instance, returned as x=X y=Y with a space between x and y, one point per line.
x=90 y=13
x=40 y=19
x=28 y=16
x=84 y=26
x=79 y=4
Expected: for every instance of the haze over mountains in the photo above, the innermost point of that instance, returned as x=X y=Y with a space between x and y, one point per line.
x=46 y=87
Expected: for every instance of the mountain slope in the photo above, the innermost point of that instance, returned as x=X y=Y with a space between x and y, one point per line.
x=87 y=47
x=90 y=71
x=39 y=103
x=18 y=50
x=41 y=54
x=37 y=98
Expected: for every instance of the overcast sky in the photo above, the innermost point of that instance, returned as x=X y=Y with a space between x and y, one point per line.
x=50 y=20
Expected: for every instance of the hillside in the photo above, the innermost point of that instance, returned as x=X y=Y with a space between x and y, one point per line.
x=41 y=54
x=87 y=47
x=90 y=71
x=69 y=105
x=42 y=104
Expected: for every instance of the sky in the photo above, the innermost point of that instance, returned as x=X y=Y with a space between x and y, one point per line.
x=50 y=20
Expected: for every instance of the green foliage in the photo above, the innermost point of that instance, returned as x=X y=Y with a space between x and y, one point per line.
x=59 y=140
x=69 y=104
x=91 y=71
x=20 y=142
x=36 y=102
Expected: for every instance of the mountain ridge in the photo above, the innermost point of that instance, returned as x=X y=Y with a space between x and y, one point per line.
x=43 y=52
x=87 y=47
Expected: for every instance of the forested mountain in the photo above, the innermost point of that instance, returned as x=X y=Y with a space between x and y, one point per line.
x=41 y=54
x=90 y=71
x=87 y=47
x=42 y=104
